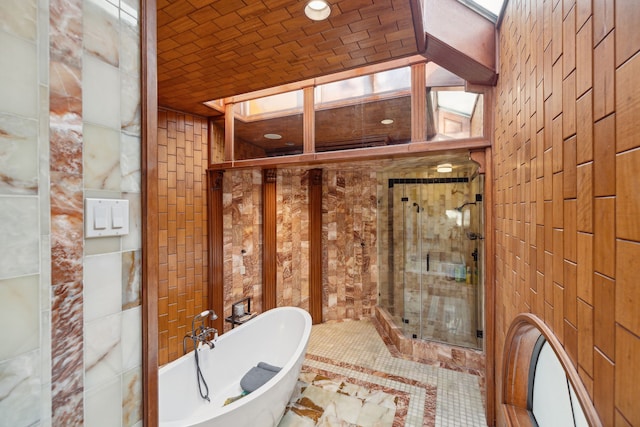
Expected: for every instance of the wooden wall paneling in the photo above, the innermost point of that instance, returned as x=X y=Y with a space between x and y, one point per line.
x=315 y=245
x=269 y=239
x=150 y=249
x=586 y=200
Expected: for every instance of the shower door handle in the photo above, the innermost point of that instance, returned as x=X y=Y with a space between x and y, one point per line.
x=427 y=262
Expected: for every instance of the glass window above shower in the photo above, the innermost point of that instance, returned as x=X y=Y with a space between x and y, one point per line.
x=383 y=107
x=452 y=112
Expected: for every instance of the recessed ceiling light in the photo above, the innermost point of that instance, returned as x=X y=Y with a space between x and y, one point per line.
x=317 y=10
x=272 y=136
x=444 y=168
x=289 y=144
x=386 y=121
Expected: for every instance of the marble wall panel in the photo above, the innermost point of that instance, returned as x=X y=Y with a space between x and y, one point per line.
x=350 y=274
x=349 y=238
x=102 y=350
x=130 y=161
x=132 y=398
x=67 y=345
x=44 y=77
x=21 y=392
x=101 y=157
x=19 y=302
x=103 y=405
x=18 y=76
x=19 y=18
x=19 y=247
x=131 y=279
x=101 y=93
x=101 y=30
x=103 y=285
x=18 y=155
x=131 y=341
x=133 y=240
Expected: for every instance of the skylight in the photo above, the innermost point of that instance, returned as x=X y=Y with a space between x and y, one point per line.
x=457 y=101
x=489 y=8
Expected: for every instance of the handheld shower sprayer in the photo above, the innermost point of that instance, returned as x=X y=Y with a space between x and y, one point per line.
x=203 y=316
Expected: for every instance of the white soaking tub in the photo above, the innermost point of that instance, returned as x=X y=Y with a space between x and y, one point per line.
x=278 y=337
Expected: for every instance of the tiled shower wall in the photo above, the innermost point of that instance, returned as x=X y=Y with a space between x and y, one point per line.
x=349 y=240
x=182 y=219
x=69 y=129
x=566 y=178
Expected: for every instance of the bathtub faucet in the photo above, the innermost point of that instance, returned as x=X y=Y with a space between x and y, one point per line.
x=201 y=334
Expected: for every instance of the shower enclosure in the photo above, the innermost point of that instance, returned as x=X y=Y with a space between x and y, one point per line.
x=431 y=253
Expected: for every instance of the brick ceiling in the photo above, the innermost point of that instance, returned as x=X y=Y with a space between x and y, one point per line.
x=211 y=49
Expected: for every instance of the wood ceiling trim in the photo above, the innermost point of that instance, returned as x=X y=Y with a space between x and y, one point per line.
x=460 y=40
x=362 y=154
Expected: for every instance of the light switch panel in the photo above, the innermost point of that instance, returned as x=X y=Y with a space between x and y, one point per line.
x=106 y=217
x=117 y=216
x=100 y=216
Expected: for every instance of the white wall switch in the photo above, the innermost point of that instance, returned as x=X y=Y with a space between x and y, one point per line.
x=106 y=217
x=100 y=216
x=117 y=216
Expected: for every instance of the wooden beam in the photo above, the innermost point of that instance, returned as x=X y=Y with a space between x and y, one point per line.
x=315 y=245
x=471 y=54
x=309 y=121
x=418 y=102
x=418 y=25
x=216 y=245
x=229 y=132
x=150 y=225
x=360 y=154
x=269 y=239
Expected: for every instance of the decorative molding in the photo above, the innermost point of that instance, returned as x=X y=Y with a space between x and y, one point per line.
x=520 y=345
x=150 y=244
x=315 y=245
x=269 y=242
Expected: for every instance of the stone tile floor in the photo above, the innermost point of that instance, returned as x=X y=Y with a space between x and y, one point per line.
x=350 y=378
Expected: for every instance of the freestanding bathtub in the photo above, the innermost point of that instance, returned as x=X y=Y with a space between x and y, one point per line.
x=278 y=337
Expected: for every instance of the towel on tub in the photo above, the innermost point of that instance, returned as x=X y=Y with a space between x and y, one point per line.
x=258 y=376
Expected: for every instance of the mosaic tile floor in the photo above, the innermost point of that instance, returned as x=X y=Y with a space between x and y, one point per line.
x=350 y=378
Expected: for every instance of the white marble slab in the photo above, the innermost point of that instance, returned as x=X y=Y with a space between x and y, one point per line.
x=18 y=76
x=18 y=155
x=20 y=390
x=102 y=285
x=100 y=93
x=19 y=246
x=103 y=350
x=101 y=158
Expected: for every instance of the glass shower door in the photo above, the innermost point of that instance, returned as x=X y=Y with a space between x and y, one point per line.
x=413 y=265
x=449 y=289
